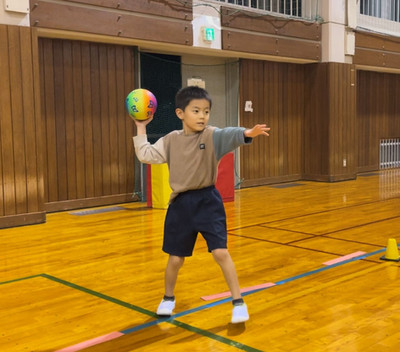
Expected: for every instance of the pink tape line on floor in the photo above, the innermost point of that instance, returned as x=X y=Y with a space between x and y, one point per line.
x=227 y=294
x=342 y=259
x=92 y=342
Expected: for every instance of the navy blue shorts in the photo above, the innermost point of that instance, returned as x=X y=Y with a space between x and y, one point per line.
x=192 y=212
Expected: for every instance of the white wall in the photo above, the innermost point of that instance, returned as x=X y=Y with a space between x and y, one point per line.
x=14 y=17
x=212 y=72
x=379 y=25
x=221 y=79
x=206 y=15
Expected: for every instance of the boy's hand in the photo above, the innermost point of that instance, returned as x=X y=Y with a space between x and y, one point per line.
x=141 y=125
x=257 y=130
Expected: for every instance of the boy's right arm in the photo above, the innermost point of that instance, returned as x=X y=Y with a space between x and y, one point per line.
x=148 y=153
x=141 y=125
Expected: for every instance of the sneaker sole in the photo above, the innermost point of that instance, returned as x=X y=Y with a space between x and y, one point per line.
x=165 y=313
x=239 y=320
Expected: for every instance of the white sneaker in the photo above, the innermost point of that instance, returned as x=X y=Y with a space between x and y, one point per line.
x=166 y=307
x=239 y=313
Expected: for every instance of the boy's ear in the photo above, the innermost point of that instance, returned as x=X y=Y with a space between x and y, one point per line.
x=179 y=113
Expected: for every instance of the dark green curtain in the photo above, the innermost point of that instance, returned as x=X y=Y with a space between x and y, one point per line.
x=161 y=74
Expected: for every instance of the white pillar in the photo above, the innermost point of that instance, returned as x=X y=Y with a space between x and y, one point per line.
x=337 y=36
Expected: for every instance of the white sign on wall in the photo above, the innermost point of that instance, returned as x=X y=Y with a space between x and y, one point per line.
x=207 y=32
x=21 y=6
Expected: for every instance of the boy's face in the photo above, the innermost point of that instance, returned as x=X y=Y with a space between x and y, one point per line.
x=195 y=116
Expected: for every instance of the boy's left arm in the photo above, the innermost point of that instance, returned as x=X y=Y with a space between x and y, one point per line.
x=229 y=138
x=257 y=130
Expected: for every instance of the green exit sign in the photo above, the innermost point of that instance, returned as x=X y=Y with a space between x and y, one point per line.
x=208 y=34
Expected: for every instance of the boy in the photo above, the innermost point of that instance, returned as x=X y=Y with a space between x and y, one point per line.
x=192 y=155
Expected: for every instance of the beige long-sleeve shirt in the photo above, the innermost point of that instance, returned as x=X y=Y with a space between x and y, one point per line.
x=192 y=159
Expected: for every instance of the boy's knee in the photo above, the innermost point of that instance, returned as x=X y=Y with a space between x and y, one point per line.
x=220 y=254
x=176 y=261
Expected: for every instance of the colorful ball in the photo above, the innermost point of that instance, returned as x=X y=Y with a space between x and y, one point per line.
x=141 y=104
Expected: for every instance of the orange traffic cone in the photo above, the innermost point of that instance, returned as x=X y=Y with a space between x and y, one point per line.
x=392 y=251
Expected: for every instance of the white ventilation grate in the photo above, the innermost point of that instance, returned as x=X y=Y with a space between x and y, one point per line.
x=389 y=153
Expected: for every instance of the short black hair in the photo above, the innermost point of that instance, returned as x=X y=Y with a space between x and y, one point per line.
x=187 y=94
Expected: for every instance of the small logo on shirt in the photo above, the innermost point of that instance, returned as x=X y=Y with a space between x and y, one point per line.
x=202 y=146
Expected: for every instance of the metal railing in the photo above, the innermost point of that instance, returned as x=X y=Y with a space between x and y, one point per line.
x=306 y=9
x=386 y=9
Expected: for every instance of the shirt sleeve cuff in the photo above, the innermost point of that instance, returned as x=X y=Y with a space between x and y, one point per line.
x=140 y=139
x=247 y=140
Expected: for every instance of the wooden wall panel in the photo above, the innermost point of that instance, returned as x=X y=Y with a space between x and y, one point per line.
x=377 y=41
x=89 y=149
x=342 y=127
x=39 y=123
x=244 y=31
x=277 y=93
x=378 y=111
x=21 y=180
x=329 y=128
x=279 y=47
x=267 y=24
x=71 y=16
x=166 y=8
x=311 y=112
x=377 y=50
x=316 y=123
x=7 y=159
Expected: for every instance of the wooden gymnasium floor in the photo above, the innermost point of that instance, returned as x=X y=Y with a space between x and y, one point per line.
x=307 y=252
